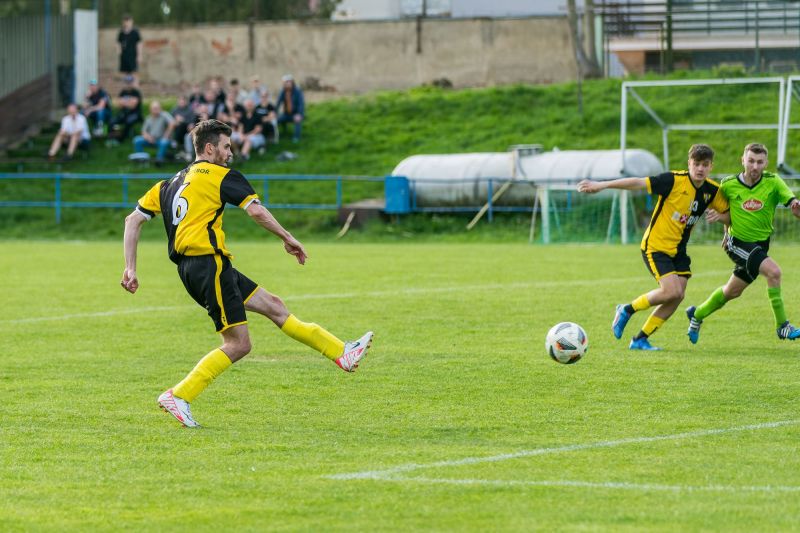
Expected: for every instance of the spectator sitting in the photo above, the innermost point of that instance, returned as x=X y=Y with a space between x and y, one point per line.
x=201 y=114
x=74 y=131
x=196 y=97
x=215 y=87
x=156 y=131
x=216 y=110
x=231 y=113
x=239 y=94
x=97 y=108
x=184 y=116
x=130 y=110
x=293 y=111
x=249 y=133
x=269 y=117
x=256 y=89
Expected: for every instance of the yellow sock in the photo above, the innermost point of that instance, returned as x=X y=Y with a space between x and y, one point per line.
x=640 y=303
x=209 y=367
x=315 y=336
x=652 y=324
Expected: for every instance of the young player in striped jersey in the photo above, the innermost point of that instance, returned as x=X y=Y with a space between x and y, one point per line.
x=682 y=197
x=192 y=204
x=753 y=196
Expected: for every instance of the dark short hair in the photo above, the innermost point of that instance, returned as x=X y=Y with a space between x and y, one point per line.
x=701 y=152
x=234 y=81
x=127 y=16
x=208 y=131
x=756 y=148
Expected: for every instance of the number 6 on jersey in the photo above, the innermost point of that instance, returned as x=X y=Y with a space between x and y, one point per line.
x=180 y=206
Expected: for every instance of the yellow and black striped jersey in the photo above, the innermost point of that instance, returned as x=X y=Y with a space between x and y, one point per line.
x=679 y=206
x=192 y=203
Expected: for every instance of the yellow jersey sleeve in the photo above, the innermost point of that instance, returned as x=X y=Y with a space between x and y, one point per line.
x=236 y=190
x=149 y=205
x=719 y=203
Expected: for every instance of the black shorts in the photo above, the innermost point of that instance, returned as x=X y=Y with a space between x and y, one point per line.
x=213 y=283
x=660 y=264
x=127 y=64
x=747 y=256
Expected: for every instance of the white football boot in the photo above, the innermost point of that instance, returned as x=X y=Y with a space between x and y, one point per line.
x=354 y=352
x=178 y=408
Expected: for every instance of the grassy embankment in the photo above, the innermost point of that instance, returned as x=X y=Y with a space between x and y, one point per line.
x=368 y=135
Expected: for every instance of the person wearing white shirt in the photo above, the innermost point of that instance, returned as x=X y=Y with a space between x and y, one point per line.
x=74 y=132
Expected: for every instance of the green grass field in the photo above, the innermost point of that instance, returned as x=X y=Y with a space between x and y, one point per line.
x=456 y=421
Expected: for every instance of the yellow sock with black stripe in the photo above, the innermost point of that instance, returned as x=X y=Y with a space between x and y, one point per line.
x=315 y=336
x=650 y=326
x=640 y=303
x=209 y=367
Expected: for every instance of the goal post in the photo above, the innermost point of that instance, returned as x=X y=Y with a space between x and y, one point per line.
x=630 y=89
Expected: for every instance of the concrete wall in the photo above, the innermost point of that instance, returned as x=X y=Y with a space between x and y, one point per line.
x=357 y=56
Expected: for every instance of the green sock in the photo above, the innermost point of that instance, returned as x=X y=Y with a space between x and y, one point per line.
x=774 y=294
x=714 y=302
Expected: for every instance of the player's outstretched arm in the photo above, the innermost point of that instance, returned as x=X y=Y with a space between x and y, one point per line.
x=630 y=184
x=264 y=218
x=133 y=229
x=712 y=215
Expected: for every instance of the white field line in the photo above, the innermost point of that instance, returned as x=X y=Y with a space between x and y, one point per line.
x=614 y=485
x=411 y=291
x=387 y=473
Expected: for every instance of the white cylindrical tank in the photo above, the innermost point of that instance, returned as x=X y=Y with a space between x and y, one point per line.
x=461 y=179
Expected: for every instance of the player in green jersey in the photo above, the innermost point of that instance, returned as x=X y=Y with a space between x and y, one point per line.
x=753 y=196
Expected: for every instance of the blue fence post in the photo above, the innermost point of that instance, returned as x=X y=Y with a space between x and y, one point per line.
x=58 y=198
x=266 y=190
x=339 y=192
x=125 y=189
x=491 y=193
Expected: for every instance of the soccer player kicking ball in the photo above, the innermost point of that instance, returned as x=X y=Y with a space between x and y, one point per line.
x=753 y=196
x=192 y=204
x=683 y=196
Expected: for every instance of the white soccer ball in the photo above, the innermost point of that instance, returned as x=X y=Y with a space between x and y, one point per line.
x=566 y=343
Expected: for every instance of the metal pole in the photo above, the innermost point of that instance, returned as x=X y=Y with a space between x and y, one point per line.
x=491 y=193
x=623 y=127
x=781 y=95
x=670 y=62
x=758 y=47
x=665 y=141
x=544 y=210
x=48 y=55
x=339 y=192
x=623 y=216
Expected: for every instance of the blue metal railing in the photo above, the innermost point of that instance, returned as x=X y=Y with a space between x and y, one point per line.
x=492 y=185
x=263 y=180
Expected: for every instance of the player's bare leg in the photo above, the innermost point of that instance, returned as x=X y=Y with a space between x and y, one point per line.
x=175 y=401
x=347 y=355
x=670 y=294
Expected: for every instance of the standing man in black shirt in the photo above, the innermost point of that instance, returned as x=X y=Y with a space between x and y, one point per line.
x=129 y=45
